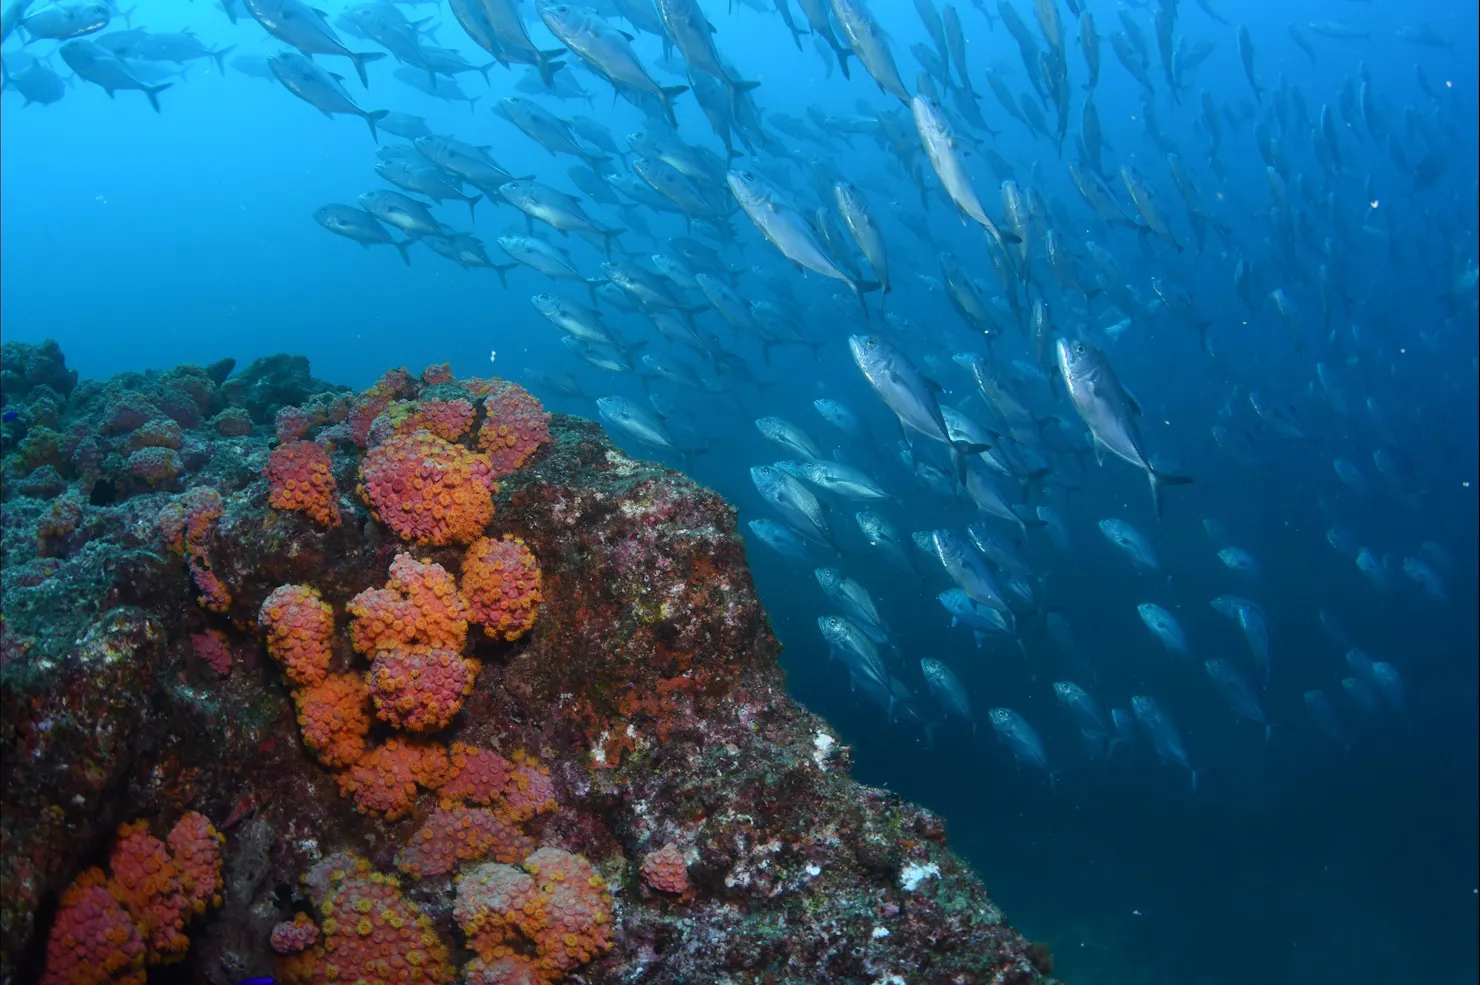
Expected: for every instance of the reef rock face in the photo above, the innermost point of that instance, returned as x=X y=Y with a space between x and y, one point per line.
x=630 y=769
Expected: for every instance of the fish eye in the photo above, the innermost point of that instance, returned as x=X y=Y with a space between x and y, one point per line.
x=1079 y=349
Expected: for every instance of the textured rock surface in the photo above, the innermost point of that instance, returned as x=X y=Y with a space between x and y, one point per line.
x=648 y=688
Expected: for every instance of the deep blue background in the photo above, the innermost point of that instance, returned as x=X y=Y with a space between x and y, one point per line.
x=141 y=240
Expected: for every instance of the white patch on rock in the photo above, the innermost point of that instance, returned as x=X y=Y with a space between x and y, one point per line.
x=913 y=874
x=822 y=745
x=598 y=751
x=880 y=932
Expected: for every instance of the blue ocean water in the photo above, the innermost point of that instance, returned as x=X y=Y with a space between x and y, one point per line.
x=141 y=239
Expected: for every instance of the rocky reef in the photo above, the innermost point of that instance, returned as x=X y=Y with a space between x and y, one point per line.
x=424 y=685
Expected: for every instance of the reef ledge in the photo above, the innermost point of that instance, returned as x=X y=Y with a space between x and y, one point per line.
x=646 y=781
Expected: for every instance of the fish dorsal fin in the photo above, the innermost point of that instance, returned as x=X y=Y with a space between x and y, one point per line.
x=1130 y=399
x=629 y=37
x=336 y=78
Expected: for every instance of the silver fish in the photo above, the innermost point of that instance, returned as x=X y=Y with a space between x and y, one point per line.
x=1162 y=733
x=794 y=501
x=1108 y=410
x=947 y=688
x=296 y=23
x=783 y=226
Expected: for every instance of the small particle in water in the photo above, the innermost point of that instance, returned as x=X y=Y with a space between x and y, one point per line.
x=493 y=356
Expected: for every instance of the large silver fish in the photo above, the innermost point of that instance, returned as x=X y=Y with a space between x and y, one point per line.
x=296 y=23
x=867 y=40
x=942 y=147
x=968 y=569
x=101 y=67
x=907 y=392
x=636 y=422
x=693 y=35
x=854 y=209
x=1108 y=410
x=606 y=50
x=784 y=227
x=797 y=505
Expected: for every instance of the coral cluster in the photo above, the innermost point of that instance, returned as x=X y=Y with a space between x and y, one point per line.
x=552 y=913
x=186 y=526
x=369 y=932
x=300 y=632
x=214 y=649
x=419 y=604
x=293 y=936
x=448 y=419
x=501 y=580
x=384 y=781
x=414 y=631
x=665 y=870
x=484 y=800
x=299 y=477
x=426 y=489
x=111 y=926
x=514 y=427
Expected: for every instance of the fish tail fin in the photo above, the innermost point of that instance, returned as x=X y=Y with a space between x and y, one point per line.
x=843 y=54
x=738 y=88
x=153 y=93
x=1159 y=479
x=371 y=118
x=220 y=57
x=669 y=93
x=502 y=269
x=548 y=64
x=361 y=59
x=403 y=248
x=607 y=238
x=472 y=201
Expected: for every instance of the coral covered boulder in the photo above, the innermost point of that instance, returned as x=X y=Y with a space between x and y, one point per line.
x=607 y=783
